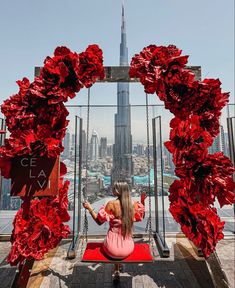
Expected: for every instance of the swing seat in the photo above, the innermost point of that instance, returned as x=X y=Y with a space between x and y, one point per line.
x=94 y=253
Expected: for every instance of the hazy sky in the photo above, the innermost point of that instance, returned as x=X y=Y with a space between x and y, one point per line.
x=30 y=30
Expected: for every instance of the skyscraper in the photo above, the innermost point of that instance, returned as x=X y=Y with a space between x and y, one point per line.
x=72 y=146
x=103 y=147
x=84 y=146
x=94 y=146
x=5 y=190
x=66 y=143
x=219 y=142
x=122 y=154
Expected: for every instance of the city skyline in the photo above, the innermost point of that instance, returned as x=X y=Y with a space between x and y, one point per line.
x=220 y=143
x=139 y=152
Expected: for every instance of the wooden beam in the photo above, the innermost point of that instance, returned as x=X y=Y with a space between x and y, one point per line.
x=121 y=73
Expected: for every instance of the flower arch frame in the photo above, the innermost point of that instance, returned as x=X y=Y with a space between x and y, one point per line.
x=36 y=120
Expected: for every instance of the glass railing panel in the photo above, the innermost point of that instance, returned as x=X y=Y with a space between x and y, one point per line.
x=221 y=144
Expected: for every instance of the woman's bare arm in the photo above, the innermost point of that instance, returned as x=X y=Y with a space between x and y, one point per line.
x=94 y=216
x=88 y=206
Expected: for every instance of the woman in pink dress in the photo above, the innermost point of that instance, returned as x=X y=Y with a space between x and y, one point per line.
x=120 y=213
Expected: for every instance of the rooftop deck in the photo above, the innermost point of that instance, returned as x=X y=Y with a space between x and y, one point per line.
x=183 y=269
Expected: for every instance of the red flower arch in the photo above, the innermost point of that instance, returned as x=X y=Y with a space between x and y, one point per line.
x=36 y=119
x=197 y=108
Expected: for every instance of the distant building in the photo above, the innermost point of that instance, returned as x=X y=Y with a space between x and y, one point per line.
x=66 y=144
x=219 y=144
x=94 y=146
x=72 y=146
x=139 y=149
x=110 y=150
x=5 y=193
x=222 y=143
x=150 y=151
x=103 y=147
x=5 y=184
x=168 y=165
x=84 y=152
x=226 y=145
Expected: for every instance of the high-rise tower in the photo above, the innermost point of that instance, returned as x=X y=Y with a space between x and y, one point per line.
x=94 y=146
x=122 y=154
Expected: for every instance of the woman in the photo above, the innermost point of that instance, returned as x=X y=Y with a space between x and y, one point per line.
x=121 y=213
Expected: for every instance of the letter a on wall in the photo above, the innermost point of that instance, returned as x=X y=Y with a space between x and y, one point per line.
x=35 y=176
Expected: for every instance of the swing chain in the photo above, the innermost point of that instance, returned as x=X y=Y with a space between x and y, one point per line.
x=85 y=228
x=84 y=190
x=149 y=221
x=147 y=226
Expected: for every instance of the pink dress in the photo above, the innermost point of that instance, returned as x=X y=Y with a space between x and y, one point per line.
x=115 y=245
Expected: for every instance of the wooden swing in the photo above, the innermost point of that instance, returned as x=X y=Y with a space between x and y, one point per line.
x=94 y=251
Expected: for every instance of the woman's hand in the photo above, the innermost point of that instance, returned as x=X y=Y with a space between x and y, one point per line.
x=87 y=205
x=143 y=196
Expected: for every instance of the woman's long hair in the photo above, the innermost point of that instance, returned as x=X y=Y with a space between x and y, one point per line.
x=121 y=189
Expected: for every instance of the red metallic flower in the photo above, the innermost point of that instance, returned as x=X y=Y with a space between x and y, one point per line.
x=59 y=72
x=199 y=223
x=188 y=141
x=90 y=65
x=149 y=74
x=178 y=189
x=210 y=111
x=214 y=176
x=5 y=165
x=42 y=230
x=16 y=108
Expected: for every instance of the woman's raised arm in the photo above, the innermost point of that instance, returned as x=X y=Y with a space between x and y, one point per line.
x=88 y=206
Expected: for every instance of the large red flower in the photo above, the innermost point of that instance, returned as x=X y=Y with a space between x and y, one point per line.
x=151 y=64
x=214 y=176
x=210 y=111
x=59 y=72
x=90 y=65
x=42 y=230
x=5 y=165
x=188 y=141
x=16 y=108
x=199 y=223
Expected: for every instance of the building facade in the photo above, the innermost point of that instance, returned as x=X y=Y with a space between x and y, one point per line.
x=122 y=150
x=103 y=147
x=94 y=146
x=66 y=144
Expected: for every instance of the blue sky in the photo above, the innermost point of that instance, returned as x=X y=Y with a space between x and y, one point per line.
x=30 y=30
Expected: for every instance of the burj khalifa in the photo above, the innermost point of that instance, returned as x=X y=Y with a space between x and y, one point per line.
x=122 y=152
